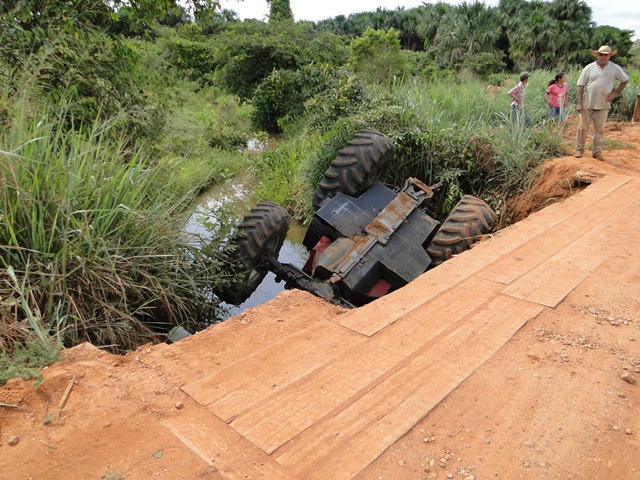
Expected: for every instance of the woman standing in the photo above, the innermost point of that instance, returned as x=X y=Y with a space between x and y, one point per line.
x=556 y=96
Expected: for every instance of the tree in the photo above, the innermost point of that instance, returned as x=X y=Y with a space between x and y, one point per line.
x=466 y=31
x=279 y=10
x=377 y=55
x=248 y=52
x=618 y=40
x=66 y=46
x=534 y=42
x=570 y=10
x=429 y=19
x=120 y=15
x=574 y=25
x=151 y=10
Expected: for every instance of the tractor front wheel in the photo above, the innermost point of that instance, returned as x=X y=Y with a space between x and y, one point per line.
x=260 y=236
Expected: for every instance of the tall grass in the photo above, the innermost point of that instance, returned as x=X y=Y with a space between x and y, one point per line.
x=91 y=241
x=204 y=138
x=279 y=176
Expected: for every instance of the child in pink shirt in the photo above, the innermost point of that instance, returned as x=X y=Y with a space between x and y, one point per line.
x=556 y=96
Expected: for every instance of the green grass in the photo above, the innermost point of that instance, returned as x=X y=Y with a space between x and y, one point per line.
x=91 y=241
x=203 y=140
x=27 y=360
x=612 y=144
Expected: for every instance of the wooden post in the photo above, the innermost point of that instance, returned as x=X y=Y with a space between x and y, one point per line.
x=636 y=111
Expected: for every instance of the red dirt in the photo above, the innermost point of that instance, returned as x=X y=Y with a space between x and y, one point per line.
x=550 y=404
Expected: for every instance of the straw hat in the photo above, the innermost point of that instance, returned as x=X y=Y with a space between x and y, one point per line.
x=606 y=49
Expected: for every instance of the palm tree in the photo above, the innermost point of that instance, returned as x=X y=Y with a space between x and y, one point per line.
x=429 y=19
x=535 y=39
x=570 y=10
x=466 y=31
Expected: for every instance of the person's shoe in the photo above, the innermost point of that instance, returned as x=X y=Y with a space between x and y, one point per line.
x=578 y=154
x=598 y=156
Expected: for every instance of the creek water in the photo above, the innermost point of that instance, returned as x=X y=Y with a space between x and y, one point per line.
x=235 y=197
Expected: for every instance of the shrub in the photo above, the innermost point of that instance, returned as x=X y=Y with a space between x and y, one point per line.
x=192 y=60
x=82 y=71
x=248 y=52
x=346 y=95
x=284 y=93
x=377 y=56
x=444 y=132
x=483 y=64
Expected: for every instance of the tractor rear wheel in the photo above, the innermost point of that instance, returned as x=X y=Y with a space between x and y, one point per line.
x=358 y=166
x=260 y=236
x=469 y=220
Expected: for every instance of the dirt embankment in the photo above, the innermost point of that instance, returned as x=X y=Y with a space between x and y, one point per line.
x=557 y=402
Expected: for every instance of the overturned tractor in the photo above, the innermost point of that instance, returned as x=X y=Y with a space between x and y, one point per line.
x=365 y=239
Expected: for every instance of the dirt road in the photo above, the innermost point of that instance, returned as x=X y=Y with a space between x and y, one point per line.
x=557 y=399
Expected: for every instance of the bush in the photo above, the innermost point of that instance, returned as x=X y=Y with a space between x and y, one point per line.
x=347 y=95
x=82 y=71
x=284 y=93
x=250 y=51
x=444 y=132
x=229 y=127
x=192 y=60
x=377 y=56
x=483 y=64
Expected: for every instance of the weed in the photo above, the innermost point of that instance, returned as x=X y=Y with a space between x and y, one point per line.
x=27 y=360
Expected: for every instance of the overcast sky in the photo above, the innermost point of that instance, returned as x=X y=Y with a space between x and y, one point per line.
x=624 y=14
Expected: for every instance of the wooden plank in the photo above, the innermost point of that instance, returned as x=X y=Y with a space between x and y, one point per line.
x=373 y=317
x=528 y=256
x=238 y=387
x=219 y=446
x=277 y=419
x=552 y=281
x=342 y=445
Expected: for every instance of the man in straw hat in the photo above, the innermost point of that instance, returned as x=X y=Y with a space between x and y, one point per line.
x=595 y=94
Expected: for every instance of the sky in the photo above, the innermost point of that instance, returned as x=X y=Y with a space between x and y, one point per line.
x=623 y=14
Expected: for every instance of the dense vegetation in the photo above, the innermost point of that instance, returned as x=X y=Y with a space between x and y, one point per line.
x=114 y=116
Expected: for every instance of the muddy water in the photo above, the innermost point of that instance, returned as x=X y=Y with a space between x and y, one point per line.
x=236 y=199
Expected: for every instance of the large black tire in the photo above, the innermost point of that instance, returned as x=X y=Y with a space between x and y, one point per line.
x=260 y=236
x=469 y=220
x=358 y=166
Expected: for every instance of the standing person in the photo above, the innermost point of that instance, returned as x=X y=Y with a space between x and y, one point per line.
x=518 y=112
x=595 y=94
x=556 y=96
